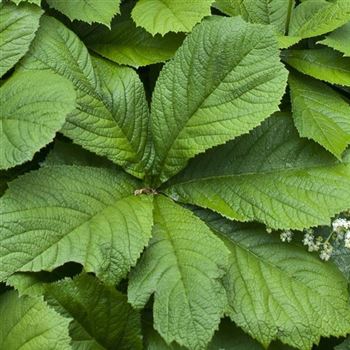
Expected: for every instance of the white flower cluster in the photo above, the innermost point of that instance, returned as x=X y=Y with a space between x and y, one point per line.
x=313 y=244
x=286 y=236
x=326 y=251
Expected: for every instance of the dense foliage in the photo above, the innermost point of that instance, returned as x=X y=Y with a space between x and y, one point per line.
x=174 y=174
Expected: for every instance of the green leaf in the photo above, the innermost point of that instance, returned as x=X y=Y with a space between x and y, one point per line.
x=34 y=106
x=224 y=80
x=163 y=16
x=324 y=64
x=69 y=213
x=228 y=7
x=36 y=2
x=153 y=341
x=339 y=40
x=341 y=257
x=230 y=337
x=102 y=318
x=271 y=176
x=182 y=265
x=316 y=17
x=286 y=41
x=17 y=30
x=280 y=291
x=29 y=324
x=320 y=113
x=345 y=345
x=112 y=114
x=87 y=10
x=127 y=44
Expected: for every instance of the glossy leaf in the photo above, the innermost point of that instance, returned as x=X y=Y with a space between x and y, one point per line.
x=17 y=30
x=182 y=265
x=320 y=113
x=34 y=106
x=68 y=213
x=224 y=80
x=271 y=176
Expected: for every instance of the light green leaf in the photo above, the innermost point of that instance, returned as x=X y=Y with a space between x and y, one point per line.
x=230 y=337
x=87 y=10
x=320 y=113
x=68 y=213
x=316 y=17
x=282 y=293
x=34 y=106
x=224 y=80
x=228 y=7
x=29 y=324
x=163 y=16
x=112 y=115
x=339 y=40
x=36 y=2
x=271 y=176
x=324 y=64
x=286 y=41
x=127 y=44
x=102 y=318
x=182 y=265
x=17 y=30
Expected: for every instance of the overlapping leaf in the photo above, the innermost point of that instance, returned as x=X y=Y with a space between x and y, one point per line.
x=17 y=30
x=163 y=16
x=339 y=40
x=112 y=114
x=87 y=10
x=28 y=323
x=182 y=265
x=280 y=291
x=324 y=64
x=68 y=213
x=224 y=80
x=316 y=17
x=101 y=317
x=320 y=113
x=34 y=106
x=271 y=176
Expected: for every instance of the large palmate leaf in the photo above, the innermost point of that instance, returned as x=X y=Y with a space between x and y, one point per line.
x=317 y=17
x=88 y=10
x=112 y=114
x=128 y=44
x=163 y=16
x=182 y=266
x=320 y=113
x=281 y=293
x=18 y=25
x=34 y=106
x=70 y=213
x=102 y=318
x=271 y=176
x=224 y=80
x=324 y=64
x=28 y=323
x=339 y=40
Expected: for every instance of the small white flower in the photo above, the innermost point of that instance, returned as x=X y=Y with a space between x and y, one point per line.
x=308 y=239
x=326 y=251
x=340 y=225
x=347 y=239
x=268 y=229
x=286 y=236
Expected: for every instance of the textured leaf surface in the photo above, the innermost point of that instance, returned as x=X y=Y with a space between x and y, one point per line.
x=182 y=266
x=36 y=2
x=271 y=176
x=17 y=30
x=34 y=106
x=163 y=16
x=224 y=80
x=102 y=318
x=112 y=114
x=316 y=17
x=324 y=64
x=87 y=10
x=68 y=213
x=127 y=44
x=339 y=40
x=290 y=295
x=29 y=324
x=320 y=113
